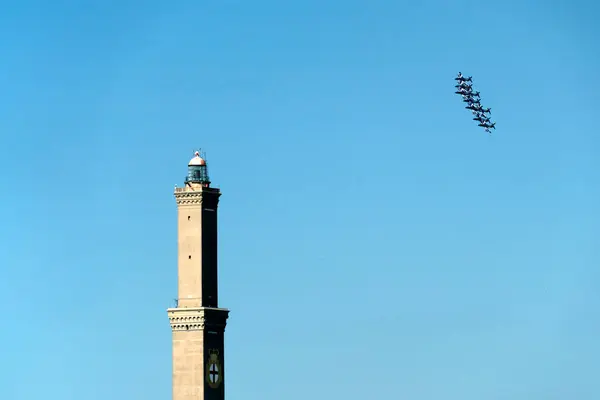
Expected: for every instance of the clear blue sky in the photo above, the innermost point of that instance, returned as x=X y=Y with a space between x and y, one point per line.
x=374 y=242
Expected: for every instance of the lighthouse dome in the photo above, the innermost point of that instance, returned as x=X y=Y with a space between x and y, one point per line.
x=197 y=160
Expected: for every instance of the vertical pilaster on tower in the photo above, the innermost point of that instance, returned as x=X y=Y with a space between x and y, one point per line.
x=197 y=323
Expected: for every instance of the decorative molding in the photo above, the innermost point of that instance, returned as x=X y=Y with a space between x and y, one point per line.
x=195 y=319
x=188 y=198
x=187 y=323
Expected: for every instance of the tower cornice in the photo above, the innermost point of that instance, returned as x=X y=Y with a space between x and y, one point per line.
x=185 y=197
x=200 y=318
x=189 y=196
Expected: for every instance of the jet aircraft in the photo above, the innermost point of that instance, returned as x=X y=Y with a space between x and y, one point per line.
x=488 y=125
x=461 y=78
x=464 y=85
x=482 y=119
x=463 y=92
x=477 y=108
x=474 y=104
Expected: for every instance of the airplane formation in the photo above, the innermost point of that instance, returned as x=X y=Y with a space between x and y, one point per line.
x=464 y=88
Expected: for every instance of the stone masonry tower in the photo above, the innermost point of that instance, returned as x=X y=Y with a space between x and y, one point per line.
x=197 y=322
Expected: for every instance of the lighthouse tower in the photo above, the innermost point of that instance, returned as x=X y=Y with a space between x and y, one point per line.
x=197 y=321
